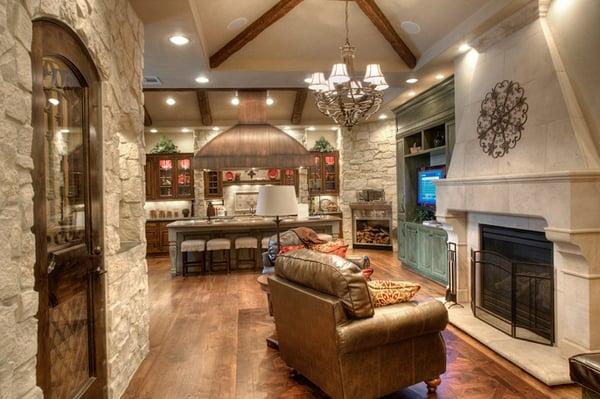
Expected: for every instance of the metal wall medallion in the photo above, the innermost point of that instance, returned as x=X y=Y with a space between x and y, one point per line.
x=502 y=118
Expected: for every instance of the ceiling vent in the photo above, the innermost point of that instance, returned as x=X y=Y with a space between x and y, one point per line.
x=152 y=81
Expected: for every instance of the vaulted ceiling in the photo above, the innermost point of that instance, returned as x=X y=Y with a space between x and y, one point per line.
x=278 y=43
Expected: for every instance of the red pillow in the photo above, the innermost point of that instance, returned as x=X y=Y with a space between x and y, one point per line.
x=290 y=248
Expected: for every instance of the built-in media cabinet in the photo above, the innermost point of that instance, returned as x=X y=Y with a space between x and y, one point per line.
x=424 y=142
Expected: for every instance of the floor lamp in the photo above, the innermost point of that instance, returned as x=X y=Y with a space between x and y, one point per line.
x=277 y=201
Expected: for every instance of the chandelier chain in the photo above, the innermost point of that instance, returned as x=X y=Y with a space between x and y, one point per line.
x=347 y=28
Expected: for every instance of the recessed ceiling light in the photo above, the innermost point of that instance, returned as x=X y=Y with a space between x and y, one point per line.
x=216 y=128
x=153 y=130
x=202 y=79
x=170 y=101
x=411 y=93
x=464 y=47
x=269 y=99
x=64 y=130
x=237 y=24
x=410 y=27
x=185 y=130
x=412 y=80
x=54 y=101
x=312 y=128
x=179 y=40
x=439 y=76
x=383 y=116
x=235 y=101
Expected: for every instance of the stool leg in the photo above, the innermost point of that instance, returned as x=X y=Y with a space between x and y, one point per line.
x=228 y=260
x=256 y=258
x=184 y=264
x=210 y=261
x=204 y=261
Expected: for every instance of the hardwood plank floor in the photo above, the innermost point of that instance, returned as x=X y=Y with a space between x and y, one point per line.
x=207 y=340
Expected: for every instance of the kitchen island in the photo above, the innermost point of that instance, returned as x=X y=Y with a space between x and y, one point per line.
x=237 y=227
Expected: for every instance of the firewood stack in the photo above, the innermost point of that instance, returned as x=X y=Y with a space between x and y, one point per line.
x=372 y=235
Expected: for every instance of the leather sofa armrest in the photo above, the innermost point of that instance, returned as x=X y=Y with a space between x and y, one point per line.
x=392 y=324
x=585 y=370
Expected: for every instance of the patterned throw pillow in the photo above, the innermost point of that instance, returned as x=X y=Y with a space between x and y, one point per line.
x=387 y=292
x=290 y=248
x=336 y=247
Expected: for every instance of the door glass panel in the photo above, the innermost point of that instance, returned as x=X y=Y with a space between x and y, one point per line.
x=165 y=177
x=329 y=167
x=65 y=157
x=184 y=178
x=66 y=186
x=314 y=175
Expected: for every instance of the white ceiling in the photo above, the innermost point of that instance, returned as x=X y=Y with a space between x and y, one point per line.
x=305 y=40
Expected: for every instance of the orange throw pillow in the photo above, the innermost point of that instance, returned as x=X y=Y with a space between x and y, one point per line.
x=336 y=247
x=387 y=292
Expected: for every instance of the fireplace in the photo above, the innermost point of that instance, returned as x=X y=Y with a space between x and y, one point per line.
x=371 y=225
x=513 y=282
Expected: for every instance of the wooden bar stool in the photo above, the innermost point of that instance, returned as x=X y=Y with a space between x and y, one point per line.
x=219 y=244
x=247 y=243
x=192 y=246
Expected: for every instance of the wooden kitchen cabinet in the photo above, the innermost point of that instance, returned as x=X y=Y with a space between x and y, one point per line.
x=213 y=184
x=324 y=175
x=157 y=237
x=169 y=177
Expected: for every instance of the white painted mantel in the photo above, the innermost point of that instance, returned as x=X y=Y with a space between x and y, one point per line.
x=551 y=178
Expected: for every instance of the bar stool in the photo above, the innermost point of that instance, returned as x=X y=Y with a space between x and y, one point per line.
x=247 y=243
x=325 y=237
x=219 y=244
x=192 y=246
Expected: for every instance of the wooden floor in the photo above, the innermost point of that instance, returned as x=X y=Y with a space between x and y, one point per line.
x=207 y=340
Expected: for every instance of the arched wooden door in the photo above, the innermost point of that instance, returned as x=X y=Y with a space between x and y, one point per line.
x=67 y=180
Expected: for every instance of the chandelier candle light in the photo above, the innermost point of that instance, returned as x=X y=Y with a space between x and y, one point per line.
x=343 y=98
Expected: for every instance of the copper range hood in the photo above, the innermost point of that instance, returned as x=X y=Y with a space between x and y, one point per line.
x=253 y=143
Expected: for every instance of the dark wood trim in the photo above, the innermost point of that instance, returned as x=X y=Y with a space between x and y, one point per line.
x=272 y=15
x=204 y=107
x=371 y=10
x=147 y=118
x=299 y=102
x=53 y=38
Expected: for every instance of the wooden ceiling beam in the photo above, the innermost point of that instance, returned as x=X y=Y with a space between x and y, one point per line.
x=299 y=103
x=371 y=10
x=147 y=118
x=204 y=106
x=254 y=29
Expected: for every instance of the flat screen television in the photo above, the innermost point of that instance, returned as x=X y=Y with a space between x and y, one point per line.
x=426 y=178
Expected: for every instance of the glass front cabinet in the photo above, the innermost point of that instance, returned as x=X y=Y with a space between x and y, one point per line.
x=169 y=177
x=323 y=175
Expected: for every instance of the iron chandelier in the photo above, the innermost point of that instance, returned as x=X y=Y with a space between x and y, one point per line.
x=343 y=98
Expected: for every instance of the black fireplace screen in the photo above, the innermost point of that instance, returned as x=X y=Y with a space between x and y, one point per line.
x=514 y=293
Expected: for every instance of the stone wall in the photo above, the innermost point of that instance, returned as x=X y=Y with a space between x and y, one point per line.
x=368 y=161
x=114 y=36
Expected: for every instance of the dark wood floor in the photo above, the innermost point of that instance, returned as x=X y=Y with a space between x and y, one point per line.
x=207 y=341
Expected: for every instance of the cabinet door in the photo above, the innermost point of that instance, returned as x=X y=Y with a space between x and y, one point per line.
x=165 y=178
x=401 y=241
x=185 y=178
x=425 y=241
x=329 y=170
x=315 y=180
x=412 y=245
x=150 y=176
x=439 y=256
x=289 y=177
x=213 y=184
x=152 y=238
x=164 y=237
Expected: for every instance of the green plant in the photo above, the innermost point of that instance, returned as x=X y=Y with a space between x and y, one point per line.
x=423 y=214
x=165 y=146
x=322 y=145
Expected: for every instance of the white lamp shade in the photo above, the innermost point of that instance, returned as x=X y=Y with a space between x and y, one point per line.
x=380 y=84
x=356 y=89
x=318 y=82
x=276 y=201
x=339 y=74
x=373 y=73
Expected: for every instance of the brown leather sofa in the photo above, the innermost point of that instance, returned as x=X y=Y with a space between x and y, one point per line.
x=329 y=331
x=585 y=371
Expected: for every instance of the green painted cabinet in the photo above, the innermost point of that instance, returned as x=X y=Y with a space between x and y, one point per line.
x=424 y=250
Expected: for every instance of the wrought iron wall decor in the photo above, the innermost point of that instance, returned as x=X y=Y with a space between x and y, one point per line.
x=502 y=118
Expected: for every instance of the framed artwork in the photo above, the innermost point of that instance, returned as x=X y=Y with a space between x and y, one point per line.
x=245 y=201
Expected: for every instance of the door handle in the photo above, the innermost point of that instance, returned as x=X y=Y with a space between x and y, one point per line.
x=97 y=251
x=99 y=271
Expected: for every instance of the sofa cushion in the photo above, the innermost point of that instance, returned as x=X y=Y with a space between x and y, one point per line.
x=392 y=324
x=328 y=274
x=388 y=292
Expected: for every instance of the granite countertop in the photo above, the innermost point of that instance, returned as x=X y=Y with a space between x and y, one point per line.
x=171 y=219
x=250 y=221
